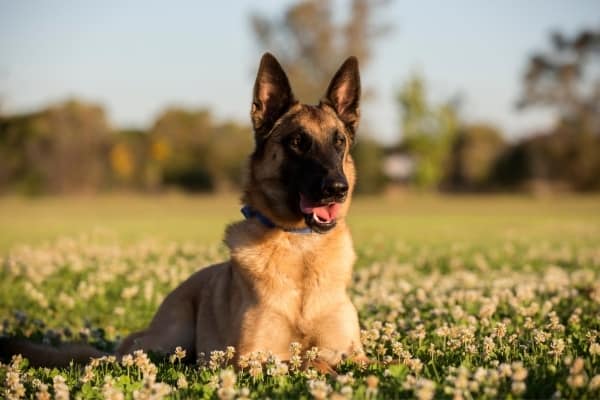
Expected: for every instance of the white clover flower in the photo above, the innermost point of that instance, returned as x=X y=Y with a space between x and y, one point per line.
x=505 y=370
x=487 y=309
x=500 y=330
x=425 y=389
x=243 y=394
x=488 y=346
x=295 y=348
x=178 y=355
x=61 y=390
x=311 y=354
x=14 y=388
x=182 y=382
x=577 y=366
x=217 y=359
x=226 y=393
x=88 y=373
x=347 y=391
x=229 y=353
x=415 y=365
x=319 y=389
x=519 y=373
x=109 y=391
x=127 y=360
x=577 y=381
x=557 y=347
x=518 y=387
x=540 y=336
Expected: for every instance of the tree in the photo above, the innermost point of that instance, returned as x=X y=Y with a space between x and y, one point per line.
x=473 y=156
x=310 y=43
x=567 y=78
x=428 y=132
x=190 y=150
x=132 y=159
x=58 y=150
x=368 y=156
x=229 y=148
x=184 y=137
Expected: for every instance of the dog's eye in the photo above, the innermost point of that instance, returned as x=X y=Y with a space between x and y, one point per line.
x=296 y=140
x=299 y=142
x=339 y=140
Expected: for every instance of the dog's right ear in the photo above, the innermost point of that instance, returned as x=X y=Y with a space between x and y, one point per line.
x=272 y=95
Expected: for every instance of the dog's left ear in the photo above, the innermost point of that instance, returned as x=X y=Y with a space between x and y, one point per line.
x=343 y=94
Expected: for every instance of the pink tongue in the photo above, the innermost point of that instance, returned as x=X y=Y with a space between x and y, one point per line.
x=326 y=213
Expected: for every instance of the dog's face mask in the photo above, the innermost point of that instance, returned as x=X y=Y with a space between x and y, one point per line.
x=301 y=169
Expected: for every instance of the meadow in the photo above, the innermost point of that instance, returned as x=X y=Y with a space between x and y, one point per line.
x=459 y=297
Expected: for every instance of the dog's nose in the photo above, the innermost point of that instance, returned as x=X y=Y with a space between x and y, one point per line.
x=337 y=187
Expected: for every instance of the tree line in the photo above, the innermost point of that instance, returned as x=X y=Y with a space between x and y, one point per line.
x=71 y=147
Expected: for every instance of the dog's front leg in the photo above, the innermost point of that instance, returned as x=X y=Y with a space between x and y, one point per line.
x=337 y=335
x=266 y=331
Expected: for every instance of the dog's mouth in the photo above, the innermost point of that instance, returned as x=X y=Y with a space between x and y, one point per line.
x=319 y=216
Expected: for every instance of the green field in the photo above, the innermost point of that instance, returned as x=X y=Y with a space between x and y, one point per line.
x=458 y=296
x=413 y=218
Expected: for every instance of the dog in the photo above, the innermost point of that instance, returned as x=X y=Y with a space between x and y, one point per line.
x=291 y=258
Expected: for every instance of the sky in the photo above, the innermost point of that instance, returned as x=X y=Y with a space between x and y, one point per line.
x=138 y=57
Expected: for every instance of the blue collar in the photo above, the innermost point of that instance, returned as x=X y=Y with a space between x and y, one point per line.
x=250 y=212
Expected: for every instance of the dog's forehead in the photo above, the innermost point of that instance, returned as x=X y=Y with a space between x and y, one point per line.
x=317 y=121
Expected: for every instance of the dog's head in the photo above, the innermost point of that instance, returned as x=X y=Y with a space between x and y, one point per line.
x=301 y=172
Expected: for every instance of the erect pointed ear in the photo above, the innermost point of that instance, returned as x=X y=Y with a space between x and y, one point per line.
x=343 y=93
x=272 y=95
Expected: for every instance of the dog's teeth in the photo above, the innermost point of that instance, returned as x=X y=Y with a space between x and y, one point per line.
x=319 y=220
x=316 y=218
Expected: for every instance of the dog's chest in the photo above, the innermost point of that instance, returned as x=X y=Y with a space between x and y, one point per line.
x=299 y=278
x=302 y=281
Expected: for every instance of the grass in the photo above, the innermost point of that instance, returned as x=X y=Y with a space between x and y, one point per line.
x=425 y=218
x=458 y=296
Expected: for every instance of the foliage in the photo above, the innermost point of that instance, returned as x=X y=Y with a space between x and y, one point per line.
x=428 y=132
x=567 y=79
x=566 y=157
x=311 y=43
x=473 y=156
x=70 y=148
x=368 y=156
x=512 y=318
x=131 y=161
x=560 y=160
x=185 y=134
x=39 y=152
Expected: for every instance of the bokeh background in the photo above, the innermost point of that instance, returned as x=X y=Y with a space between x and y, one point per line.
x=133 y=116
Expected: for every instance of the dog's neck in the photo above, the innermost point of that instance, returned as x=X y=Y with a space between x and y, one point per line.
x=276 y=212
x=262 y=251
x=250 y=213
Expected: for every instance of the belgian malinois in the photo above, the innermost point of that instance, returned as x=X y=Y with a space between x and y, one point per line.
x=291 y=258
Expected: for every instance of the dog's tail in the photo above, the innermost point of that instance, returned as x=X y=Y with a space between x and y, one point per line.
x=43 y=355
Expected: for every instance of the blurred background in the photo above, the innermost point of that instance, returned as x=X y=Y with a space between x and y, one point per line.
x=134 y=98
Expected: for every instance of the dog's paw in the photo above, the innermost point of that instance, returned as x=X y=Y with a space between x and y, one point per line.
x=323 y=367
